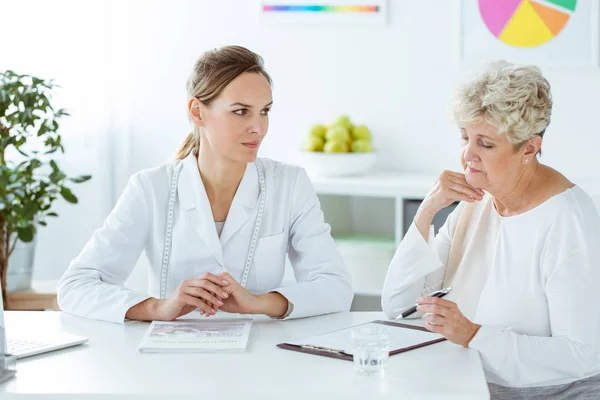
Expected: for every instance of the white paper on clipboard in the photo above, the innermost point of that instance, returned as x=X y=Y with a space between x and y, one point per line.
x=341 y=340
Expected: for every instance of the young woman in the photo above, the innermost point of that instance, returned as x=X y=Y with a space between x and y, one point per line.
x=217 y=223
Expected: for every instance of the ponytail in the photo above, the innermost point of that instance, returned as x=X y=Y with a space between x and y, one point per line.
x=191 y=142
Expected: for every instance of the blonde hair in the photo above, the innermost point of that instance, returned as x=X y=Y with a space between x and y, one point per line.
x=514 y=99
x=213 y=71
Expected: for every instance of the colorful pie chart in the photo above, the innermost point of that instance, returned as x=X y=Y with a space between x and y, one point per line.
x=526 y=23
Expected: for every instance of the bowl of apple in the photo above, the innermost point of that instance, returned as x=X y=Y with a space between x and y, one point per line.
x=338 y=149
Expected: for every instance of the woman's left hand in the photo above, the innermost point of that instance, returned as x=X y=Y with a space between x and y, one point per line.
x=241 y=301
x=445 y=318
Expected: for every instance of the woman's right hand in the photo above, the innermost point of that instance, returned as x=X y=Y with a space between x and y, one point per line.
x=450 y=187
x=193 y=293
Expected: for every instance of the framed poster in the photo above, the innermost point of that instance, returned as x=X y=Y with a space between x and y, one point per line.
x=553 y=33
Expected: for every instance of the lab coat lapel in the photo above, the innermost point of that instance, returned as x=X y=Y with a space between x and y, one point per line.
x=243 y=204
x=196 y=207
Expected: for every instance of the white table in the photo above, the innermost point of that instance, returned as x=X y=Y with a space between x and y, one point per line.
x=111 y=365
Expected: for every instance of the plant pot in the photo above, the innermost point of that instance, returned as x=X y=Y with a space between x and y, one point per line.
x=20 y=267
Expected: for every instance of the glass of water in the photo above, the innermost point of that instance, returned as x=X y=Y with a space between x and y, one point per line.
x=371 y=349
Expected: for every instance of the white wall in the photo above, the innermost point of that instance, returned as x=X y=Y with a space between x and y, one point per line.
x=131 y=59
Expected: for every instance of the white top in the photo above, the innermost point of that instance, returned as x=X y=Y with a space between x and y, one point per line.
x=530 y=280
x=219 y=226
x=109 y=365
x=292 y=224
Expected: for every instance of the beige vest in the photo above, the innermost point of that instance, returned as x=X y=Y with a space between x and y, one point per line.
x=473 y=240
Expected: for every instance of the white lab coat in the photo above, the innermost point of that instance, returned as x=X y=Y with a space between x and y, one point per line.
x=292 y=224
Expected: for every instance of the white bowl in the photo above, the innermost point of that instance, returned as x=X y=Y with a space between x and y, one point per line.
x=337 y=164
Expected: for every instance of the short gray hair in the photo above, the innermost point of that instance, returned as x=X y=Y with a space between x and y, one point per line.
x=514 y=99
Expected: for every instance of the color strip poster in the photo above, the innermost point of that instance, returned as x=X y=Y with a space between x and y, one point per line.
x=325 y=11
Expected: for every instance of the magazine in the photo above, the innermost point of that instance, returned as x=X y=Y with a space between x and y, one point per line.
x=225 y=335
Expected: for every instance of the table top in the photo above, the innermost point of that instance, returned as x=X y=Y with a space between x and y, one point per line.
x=110 y=365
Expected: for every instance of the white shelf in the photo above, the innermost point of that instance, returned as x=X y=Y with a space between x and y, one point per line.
x=395 y=185
x=376 y=184
x=402 y=184
x=379 y=241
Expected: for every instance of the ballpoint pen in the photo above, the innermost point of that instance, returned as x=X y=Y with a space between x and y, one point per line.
x=437 y=293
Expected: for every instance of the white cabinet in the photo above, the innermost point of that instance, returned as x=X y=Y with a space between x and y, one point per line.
x=366 y=214
x=395 y=187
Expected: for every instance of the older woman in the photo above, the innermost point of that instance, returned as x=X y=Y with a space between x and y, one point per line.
x=521 y=251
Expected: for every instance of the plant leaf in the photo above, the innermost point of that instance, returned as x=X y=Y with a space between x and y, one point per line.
x=81 y=179
x=68 y=195
x=26 y=234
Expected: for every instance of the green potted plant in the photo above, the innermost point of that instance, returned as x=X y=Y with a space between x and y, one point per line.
x=30 y=179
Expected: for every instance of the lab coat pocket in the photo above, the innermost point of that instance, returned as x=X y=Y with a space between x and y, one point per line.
x=269 y=261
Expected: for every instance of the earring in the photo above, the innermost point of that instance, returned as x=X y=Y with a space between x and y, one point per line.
x=526 y=160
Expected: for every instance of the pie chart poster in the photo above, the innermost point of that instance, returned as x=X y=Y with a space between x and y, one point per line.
x=552 y=33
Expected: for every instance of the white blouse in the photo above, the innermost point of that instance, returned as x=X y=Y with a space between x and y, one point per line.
x=219 y=226
x=530 y=280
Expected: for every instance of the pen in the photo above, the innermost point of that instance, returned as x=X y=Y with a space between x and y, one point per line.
x=321 y=348
x=437 y=293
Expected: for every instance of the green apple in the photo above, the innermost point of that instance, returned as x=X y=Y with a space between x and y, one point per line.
x=337 y=133
x=336 y=146
x=361 y=132
x=313 y=144
x=362 y=146
x=344 y=120
x=318 y=131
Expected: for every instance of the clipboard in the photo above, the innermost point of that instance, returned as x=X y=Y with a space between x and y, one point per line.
x=342 y=355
